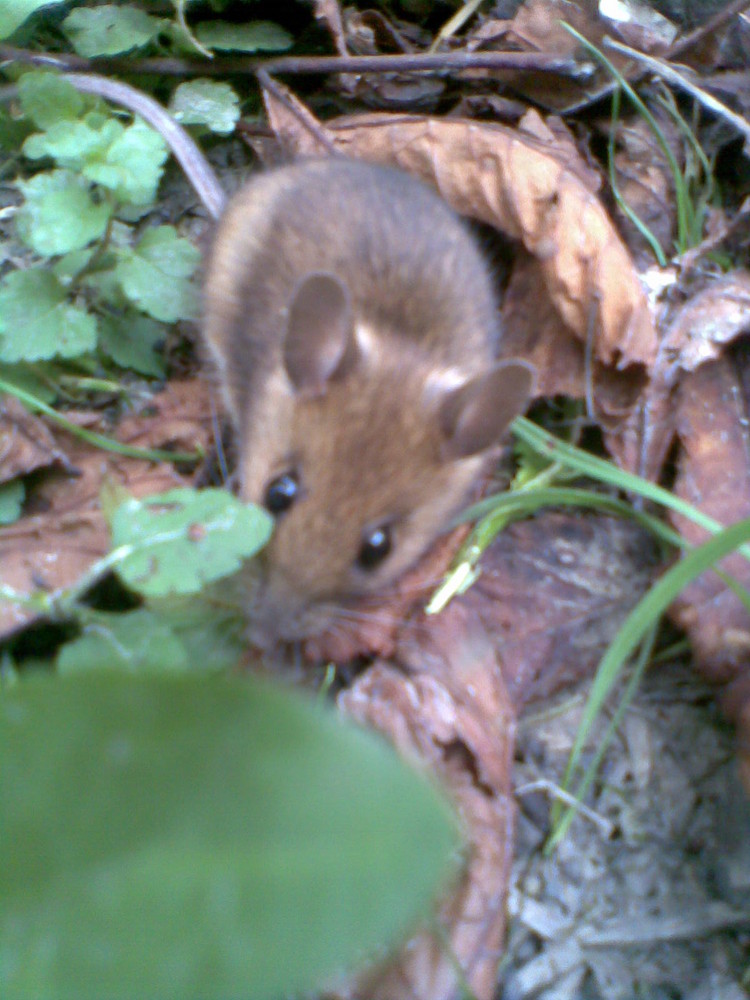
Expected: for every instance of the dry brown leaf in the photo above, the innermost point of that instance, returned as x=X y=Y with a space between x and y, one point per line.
x=63 y=530
x=448 y=695
x=452 y=713
x=695 y=331
x=26 y=443
x=714 y=475
x=516 y=184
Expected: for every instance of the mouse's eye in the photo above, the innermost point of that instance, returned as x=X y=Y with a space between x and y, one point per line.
x=375 y=547
x=281 y=493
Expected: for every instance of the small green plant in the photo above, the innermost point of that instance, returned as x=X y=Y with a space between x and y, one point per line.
x=693 y=186
x=547 y=461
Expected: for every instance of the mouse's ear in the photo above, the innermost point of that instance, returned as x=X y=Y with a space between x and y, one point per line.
x=474 y=416
x=320 y=333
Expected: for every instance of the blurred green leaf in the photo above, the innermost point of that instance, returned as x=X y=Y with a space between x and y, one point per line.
x=37 y=322
x=12 y=495
x=134 y=341
x=155 y=275
x=107 y=30
x=132 y=165
x=200 y=837
x=134 y=641
x=47 y=98
x=14 y=12
x=59 y=215
x=206 y=102
x=255 y=36
x=185 y=538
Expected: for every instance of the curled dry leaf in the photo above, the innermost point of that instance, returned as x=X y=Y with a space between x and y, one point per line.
x=63 y=530
x=453 y=714
x=518 y=185
x=712 y=423
x=696 y=331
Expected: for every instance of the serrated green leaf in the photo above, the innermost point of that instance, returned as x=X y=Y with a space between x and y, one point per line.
x=14 y=12
x=36 y=320
x=206 y=102
x=155 y=275
x=108 y=30
x=73 y=144
x=133 y=341
x=184 y=539
x=47 y=98
x=255 y=36
x=135 y=641
x=190 y=836
x=132 y=165
x=71 y=264
x=12 y=495
x=59 y=214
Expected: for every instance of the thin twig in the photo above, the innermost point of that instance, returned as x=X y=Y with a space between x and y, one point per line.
x=719 y=19
x=442 y=62
x=681 y=80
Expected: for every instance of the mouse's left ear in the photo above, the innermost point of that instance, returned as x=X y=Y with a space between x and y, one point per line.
x=475 y=415
x=319 y=340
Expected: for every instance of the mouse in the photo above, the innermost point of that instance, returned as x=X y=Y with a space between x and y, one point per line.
x=352 y=324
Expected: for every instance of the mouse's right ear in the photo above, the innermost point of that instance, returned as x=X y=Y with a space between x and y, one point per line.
x=475 y=416
x=320 y=341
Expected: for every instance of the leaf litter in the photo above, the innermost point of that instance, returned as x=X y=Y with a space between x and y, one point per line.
x=613 y=912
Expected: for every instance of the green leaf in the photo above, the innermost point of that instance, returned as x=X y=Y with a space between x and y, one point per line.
x=155 y=275
x=255 y=36
x=190 y=836
x=47 y=98
x=132 y=165
x=133 y=341
x=108 y=30
x=209 y=624
x=206 y=102
x=74 y=144
x=12 y=495
x=136 y=641
x=14 y=12
x=36 y=321
x=59 y=214
x=183 y=539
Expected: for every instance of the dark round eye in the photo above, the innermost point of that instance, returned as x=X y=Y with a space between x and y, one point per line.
x=375 y=547
x=281 y=493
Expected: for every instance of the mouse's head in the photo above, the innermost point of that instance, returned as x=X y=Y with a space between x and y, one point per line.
x=362 y=447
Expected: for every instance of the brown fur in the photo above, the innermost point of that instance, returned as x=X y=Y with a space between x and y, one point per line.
x=370 y=444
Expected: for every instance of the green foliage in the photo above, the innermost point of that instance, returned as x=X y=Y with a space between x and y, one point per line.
x=182 y=539
x=59 y=214
x=108 y=30
x=206 y=102
x=11 y=500
x=37 y=320
x=199 y=837
x=155 y=275
x=14 y=12
x=256 y=36
x=107 y=286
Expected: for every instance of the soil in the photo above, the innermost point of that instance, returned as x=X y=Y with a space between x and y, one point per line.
x=650 y=896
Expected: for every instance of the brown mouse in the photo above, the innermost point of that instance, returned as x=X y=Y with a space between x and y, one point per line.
x=354 y=329
x=353 y=326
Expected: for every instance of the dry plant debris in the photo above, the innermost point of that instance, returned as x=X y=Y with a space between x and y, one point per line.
x=584 y=305
x=63 y=530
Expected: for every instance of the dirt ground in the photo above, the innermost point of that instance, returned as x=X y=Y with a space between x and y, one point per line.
x=650 y=897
